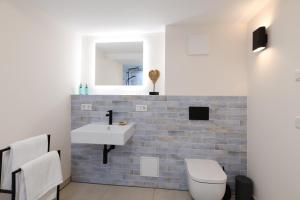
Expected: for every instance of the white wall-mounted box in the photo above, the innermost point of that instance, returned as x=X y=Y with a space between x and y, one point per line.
x=149 y=166
x=298 y=75
x=298 y=122
x=141 y=108
x=86 y=107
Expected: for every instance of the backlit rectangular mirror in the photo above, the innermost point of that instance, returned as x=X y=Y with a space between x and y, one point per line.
x=119 y=63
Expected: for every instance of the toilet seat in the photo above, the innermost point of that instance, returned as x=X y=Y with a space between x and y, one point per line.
x=205 y=171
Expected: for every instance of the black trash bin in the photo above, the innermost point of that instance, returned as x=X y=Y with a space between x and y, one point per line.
x=243 y=188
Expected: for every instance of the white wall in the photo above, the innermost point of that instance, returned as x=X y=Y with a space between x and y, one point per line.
x=274 y=102
x=222 y=72
x=37 y=75
x=154 y=58
x=107 y=71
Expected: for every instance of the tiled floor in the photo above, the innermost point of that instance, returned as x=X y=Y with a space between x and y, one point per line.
x=81 y=191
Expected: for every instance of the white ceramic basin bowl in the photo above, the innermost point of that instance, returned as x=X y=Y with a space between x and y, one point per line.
x=99 y=133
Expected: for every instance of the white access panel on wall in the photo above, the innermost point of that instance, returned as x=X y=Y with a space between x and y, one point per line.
x=149 y=166
x=298 y=122
x=197 y=44
x=298 y=75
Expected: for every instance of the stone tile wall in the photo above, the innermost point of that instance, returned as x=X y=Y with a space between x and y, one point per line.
x=165 y=132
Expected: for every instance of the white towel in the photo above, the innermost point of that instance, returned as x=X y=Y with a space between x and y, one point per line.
x=20 y=153
x=6 y=171
x=40 y=176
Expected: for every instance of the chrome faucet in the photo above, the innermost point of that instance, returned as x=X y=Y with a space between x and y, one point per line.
x=110 y=115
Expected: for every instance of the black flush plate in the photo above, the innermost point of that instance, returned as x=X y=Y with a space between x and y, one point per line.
x=198 y=113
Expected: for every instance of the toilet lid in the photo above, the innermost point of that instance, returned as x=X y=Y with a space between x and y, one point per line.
x=205 y=171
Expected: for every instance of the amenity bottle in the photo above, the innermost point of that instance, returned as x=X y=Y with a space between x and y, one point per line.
x=81 y=89
x=87 y=90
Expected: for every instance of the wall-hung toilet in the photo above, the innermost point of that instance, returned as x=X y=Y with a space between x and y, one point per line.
x=206 y=179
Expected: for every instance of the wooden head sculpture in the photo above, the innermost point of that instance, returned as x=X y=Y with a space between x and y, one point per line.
x=154 y=76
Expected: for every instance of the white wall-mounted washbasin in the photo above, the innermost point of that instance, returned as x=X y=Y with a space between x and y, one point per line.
x=99 y=133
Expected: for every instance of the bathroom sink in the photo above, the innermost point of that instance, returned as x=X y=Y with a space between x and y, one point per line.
x=99 y=133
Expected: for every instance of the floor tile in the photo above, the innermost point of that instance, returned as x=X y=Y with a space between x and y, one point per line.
x=160 y=194
x=80 y=191
x=83 y=191
x=128 y=193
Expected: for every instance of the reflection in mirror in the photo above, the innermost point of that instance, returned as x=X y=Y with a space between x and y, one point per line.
x=119 y=63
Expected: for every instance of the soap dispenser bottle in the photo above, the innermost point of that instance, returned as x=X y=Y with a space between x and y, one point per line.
x=81 y=89
x=87 y=91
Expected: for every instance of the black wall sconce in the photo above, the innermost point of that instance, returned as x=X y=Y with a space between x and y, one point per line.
x=260 y=39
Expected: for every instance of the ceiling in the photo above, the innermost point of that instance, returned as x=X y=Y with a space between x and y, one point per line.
x=95 y=16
